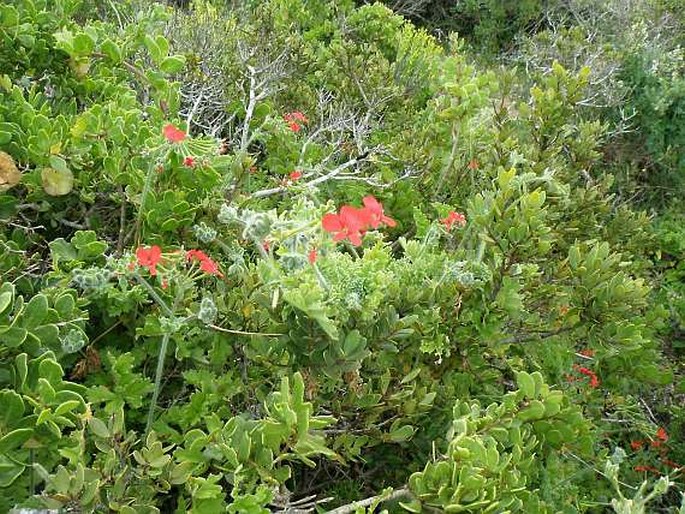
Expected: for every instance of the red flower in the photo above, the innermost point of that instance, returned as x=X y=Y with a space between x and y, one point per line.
x=594 y=381
x=189 y=162
x=671 y=464
x=642 y=468
x=295 y=175
x=350 y=224
x=375 y=212
x=149 y=258
x=295 y=120
x=206 y=264
x=661 y=434
x=453 y=218
x=473 y=164
x=636 y=445
x=312 y=256
x=173 y=134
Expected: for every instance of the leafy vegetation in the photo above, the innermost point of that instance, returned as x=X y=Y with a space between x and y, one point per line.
x=293 y=256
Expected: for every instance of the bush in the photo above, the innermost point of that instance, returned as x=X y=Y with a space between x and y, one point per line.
x=205 y=308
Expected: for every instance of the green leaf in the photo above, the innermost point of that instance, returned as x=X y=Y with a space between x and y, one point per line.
x=83 y=44
x=36 y=311
x=67 y=407
x=11 y=408
x=5 y=300
x=173 y=64
x=402 y=434
x=21 y=365
x=62 y=251
x=111 y=50
x=98 y=427
x=56 y=182
x=15 y=439
x=9 y=471
x=526 y=384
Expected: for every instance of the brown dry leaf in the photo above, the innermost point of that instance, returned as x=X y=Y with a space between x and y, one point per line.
x=10 y=175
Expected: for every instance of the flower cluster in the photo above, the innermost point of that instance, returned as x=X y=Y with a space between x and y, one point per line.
x=173 y=134
x=295 y=120
x=151 y=257
x=587 y=372
x=351 y=223
x=206 y=264
x=659 y=444
x=453 y=218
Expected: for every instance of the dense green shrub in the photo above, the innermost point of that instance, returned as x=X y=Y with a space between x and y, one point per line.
x=204 y=308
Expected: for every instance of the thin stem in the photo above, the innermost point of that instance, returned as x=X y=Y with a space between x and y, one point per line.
x=158 y=382
x=244 y=332
x=354 y=506
x=143 y=197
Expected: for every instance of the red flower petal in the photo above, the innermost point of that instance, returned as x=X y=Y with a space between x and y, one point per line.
x=173 y=134
x=149 y=258
x=331 y=223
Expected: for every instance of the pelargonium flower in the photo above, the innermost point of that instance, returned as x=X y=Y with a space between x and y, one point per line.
x=149 y=258
x=295 y=120
x=351 y=223
x=206 y=263
x=594 y=381
x=295 y=175
x=636 y=444
x=312 y=256
x=453 y=218
x=376 y=216
x=173 y=134
x=189 y=161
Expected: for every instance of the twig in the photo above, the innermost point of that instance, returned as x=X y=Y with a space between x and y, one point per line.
x=352 y=507
x=243 y=332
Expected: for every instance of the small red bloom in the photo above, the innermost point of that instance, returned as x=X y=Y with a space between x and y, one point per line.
x=149 y=258
x=473 y=164
x=661 y=434
x=594 y=381
x=189 y=162
x=643 y=468
x=173 y=134
x=636 y=445
x=453 y=218
x=295 y=120
x=206 y=264
x=295 y=175
x=375 y=213
x=312 y=256
x=350 y=224
x=671 y=464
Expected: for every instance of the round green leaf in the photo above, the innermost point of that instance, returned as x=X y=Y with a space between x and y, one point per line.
x=57 y=183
